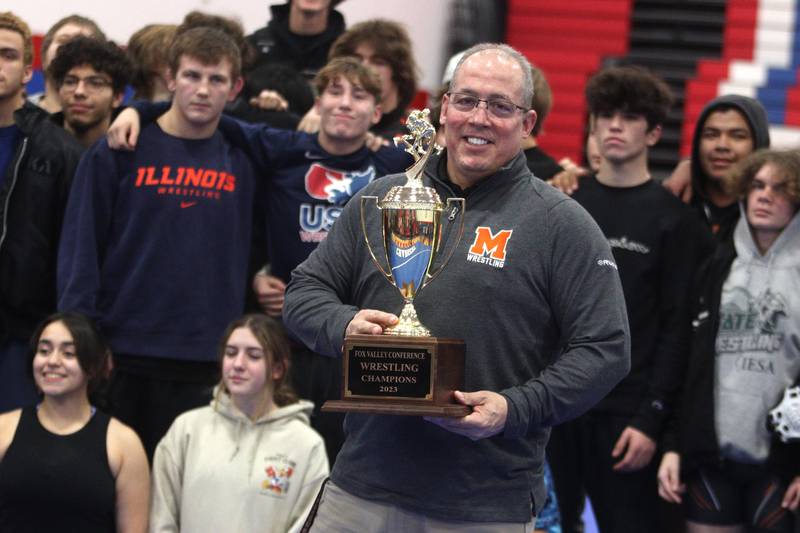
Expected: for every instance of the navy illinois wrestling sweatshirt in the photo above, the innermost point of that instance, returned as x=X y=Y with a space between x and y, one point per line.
x=155 y=243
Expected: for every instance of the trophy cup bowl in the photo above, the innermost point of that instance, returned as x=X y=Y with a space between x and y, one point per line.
x=406 y=371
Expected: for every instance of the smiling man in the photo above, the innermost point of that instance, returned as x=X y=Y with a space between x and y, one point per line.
x=533 y=290
x=728 y=129
x=157 y=241
x=90 y=76
x=609 y=452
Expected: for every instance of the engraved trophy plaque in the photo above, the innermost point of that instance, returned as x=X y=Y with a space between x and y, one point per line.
x=406 y=371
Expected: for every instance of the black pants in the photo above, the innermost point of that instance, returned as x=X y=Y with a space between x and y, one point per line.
x=579 y=453
x=732 y=493
x=319 y=378
x=149 y=404
x=17 y=388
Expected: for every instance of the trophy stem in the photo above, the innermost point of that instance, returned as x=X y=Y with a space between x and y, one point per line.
x=408 y=324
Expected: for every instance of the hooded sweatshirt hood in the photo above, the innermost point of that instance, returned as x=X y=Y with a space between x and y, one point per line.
x=756 y=117
x=223 y=404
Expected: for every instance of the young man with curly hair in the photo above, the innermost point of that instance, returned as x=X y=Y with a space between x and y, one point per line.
x=90 y=76
x=608 y=452
x=60 y=33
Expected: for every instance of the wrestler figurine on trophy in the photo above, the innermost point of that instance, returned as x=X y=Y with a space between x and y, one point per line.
x=405 y=371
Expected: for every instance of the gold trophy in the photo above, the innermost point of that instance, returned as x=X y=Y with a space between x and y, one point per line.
x=405 y=371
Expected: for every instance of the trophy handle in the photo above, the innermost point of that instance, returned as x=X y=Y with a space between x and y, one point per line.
x=432 y=275
x=364 y=199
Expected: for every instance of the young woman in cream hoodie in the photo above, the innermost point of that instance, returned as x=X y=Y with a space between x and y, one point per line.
x=249 y=461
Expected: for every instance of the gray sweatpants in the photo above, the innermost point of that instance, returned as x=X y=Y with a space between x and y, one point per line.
x=341 y=512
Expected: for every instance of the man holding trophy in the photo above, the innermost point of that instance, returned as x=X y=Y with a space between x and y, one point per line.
x=531 y=290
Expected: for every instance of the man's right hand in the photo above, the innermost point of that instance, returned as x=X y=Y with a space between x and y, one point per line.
x=370 y=322
x=270 y=293
x=124 y=132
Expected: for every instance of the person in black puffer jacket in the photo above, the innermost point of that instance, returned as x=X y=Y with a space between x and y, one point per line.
x=39 y=161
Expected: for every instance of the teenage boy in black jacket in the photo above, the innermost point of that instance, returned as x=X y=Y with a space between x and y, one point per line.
x=299 y=35
x=608 y=452
x=37 y=161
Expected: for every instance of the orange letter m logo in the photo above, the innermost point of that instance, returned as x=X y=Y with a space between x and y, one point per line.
x=487 y=242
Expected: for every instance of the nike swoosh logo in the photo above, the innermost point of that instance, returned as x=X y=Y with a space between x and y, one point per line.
x=312 y=155
x=184 y=205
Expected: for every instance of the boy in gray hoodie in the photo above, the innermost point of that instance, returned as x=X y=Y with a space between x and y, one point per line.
x=745 y=352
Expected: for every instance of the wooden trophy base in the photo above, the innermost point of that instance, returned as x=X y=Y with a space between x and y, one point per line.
x=399 y=375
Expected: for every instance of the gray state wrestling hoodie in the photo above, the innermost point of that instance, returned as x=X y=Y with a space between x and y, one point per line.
x=758 y=341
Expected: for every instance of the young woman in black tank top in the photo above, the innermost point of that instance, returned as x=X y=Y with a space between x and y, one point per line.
x=64 y=466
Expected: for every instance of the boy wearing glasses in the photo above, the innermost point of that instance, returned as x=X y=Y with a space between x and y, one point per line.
x=608 y=452
x=37 y=161
x=90 y=76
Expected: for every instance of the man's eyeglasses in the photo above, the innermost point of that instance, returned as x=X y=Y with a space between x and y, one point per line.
x=497 y=107
x=91 y=84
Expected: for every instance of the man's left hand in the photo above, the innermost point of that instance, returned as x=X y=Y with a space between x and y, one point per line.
x=488 y=416
x=124 y=131
x=637 y=447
